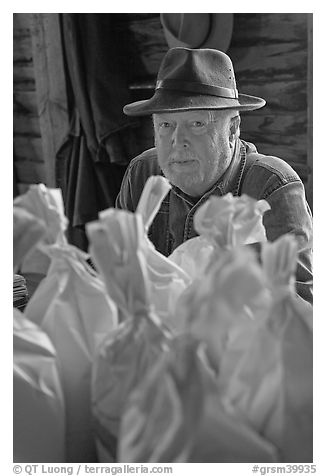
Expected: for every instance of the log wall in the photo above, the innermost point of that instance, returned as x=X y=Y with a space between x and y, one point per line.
x=270 y=54
x=40 y=101
x=29 y=165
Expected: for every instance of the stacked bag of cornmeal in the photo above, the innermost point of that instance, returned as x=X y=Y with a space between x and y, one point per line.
x=202 y=356
x=38 y=403
x=71 y=306
x=145 y=286
x=236 y=384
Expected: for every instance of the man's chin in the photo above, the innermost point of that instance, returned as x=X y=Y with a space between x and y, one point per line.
x=187 y=186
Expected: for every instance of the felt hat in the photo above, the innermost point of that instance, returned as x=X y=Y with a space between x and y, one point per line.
x=198 y=30
x=192 y=79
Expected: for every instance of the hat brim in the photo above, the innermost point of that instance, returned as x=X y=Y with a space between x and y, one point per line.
x=173 y=101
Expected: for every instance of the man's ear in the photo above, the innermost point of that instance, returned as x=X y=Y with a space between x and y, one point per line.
x=234 y=129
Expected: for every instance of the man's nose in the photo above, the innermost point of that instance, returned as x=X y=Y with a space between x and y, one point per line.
x=180 y=136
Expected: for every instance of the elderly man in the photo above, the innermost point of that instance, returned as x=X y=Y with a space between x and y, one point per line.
x=196 y=120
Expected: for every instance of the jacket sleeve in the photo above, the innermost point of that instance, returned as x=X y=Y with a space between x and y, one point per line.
x=289 y=213
x=139 y=170
x=124 y=198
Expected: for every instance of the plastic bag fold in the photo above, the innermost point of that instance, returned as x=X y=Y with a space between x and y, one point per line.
x=44 y=204
x=176 y=416
x=226 y=302
x=222 y=223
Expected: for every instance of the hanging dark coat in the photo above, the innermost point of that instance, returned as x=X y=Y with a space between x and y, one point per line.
x=101 y=141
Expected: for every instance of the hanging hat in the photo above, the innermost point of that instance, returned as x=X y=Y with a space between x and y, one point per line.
x=198 y=30
x=192 y=79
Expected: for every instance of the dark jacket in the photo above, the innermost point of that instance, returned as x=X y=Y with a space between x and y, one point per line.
x=250 y=173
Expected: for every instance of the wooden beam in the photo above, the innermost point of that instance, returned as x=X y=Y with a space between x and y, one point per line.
x=50 y=86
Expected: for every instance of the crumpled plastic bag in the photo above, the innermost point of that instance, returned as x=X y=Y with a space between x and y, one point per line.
x=222 y=223
x=45 y=204
x=167 y=283
x=154 y=191
x=118 y=247
x=117 y=244
x=27 y=231
x=72 y=306
x=271 y=384
x=224 y=304
x=122 y=361
x=167 y=280
x=38 y=403
x=175 y=415
x=232 y=221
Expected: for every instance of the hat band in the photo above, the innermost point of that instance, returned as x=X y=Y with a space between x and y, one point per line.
x=200 y=88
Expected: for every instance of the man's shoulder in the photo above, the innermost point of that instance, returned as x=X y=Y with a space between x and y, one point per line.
x=138 y=171
x=276 y=166
x=145 y=163
x=270 y=165
x=266 y=173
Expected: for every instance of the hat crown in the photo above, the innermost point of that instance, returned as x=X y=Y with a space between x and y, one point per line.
x=202 y=66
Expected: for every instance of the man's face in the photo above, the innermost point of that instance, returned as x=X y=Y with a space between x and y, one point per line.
x=193 y=148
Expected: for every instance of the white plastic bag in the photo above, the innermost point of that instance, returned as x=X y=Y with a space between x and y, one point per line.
x=72 y=306
x=28 y=230
x=167 y=280
x=222 y=223
x=118 y=247
x=155 y=189
x=224 y=307
x=271 y=384
x=38 y=403
x=45 y=204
